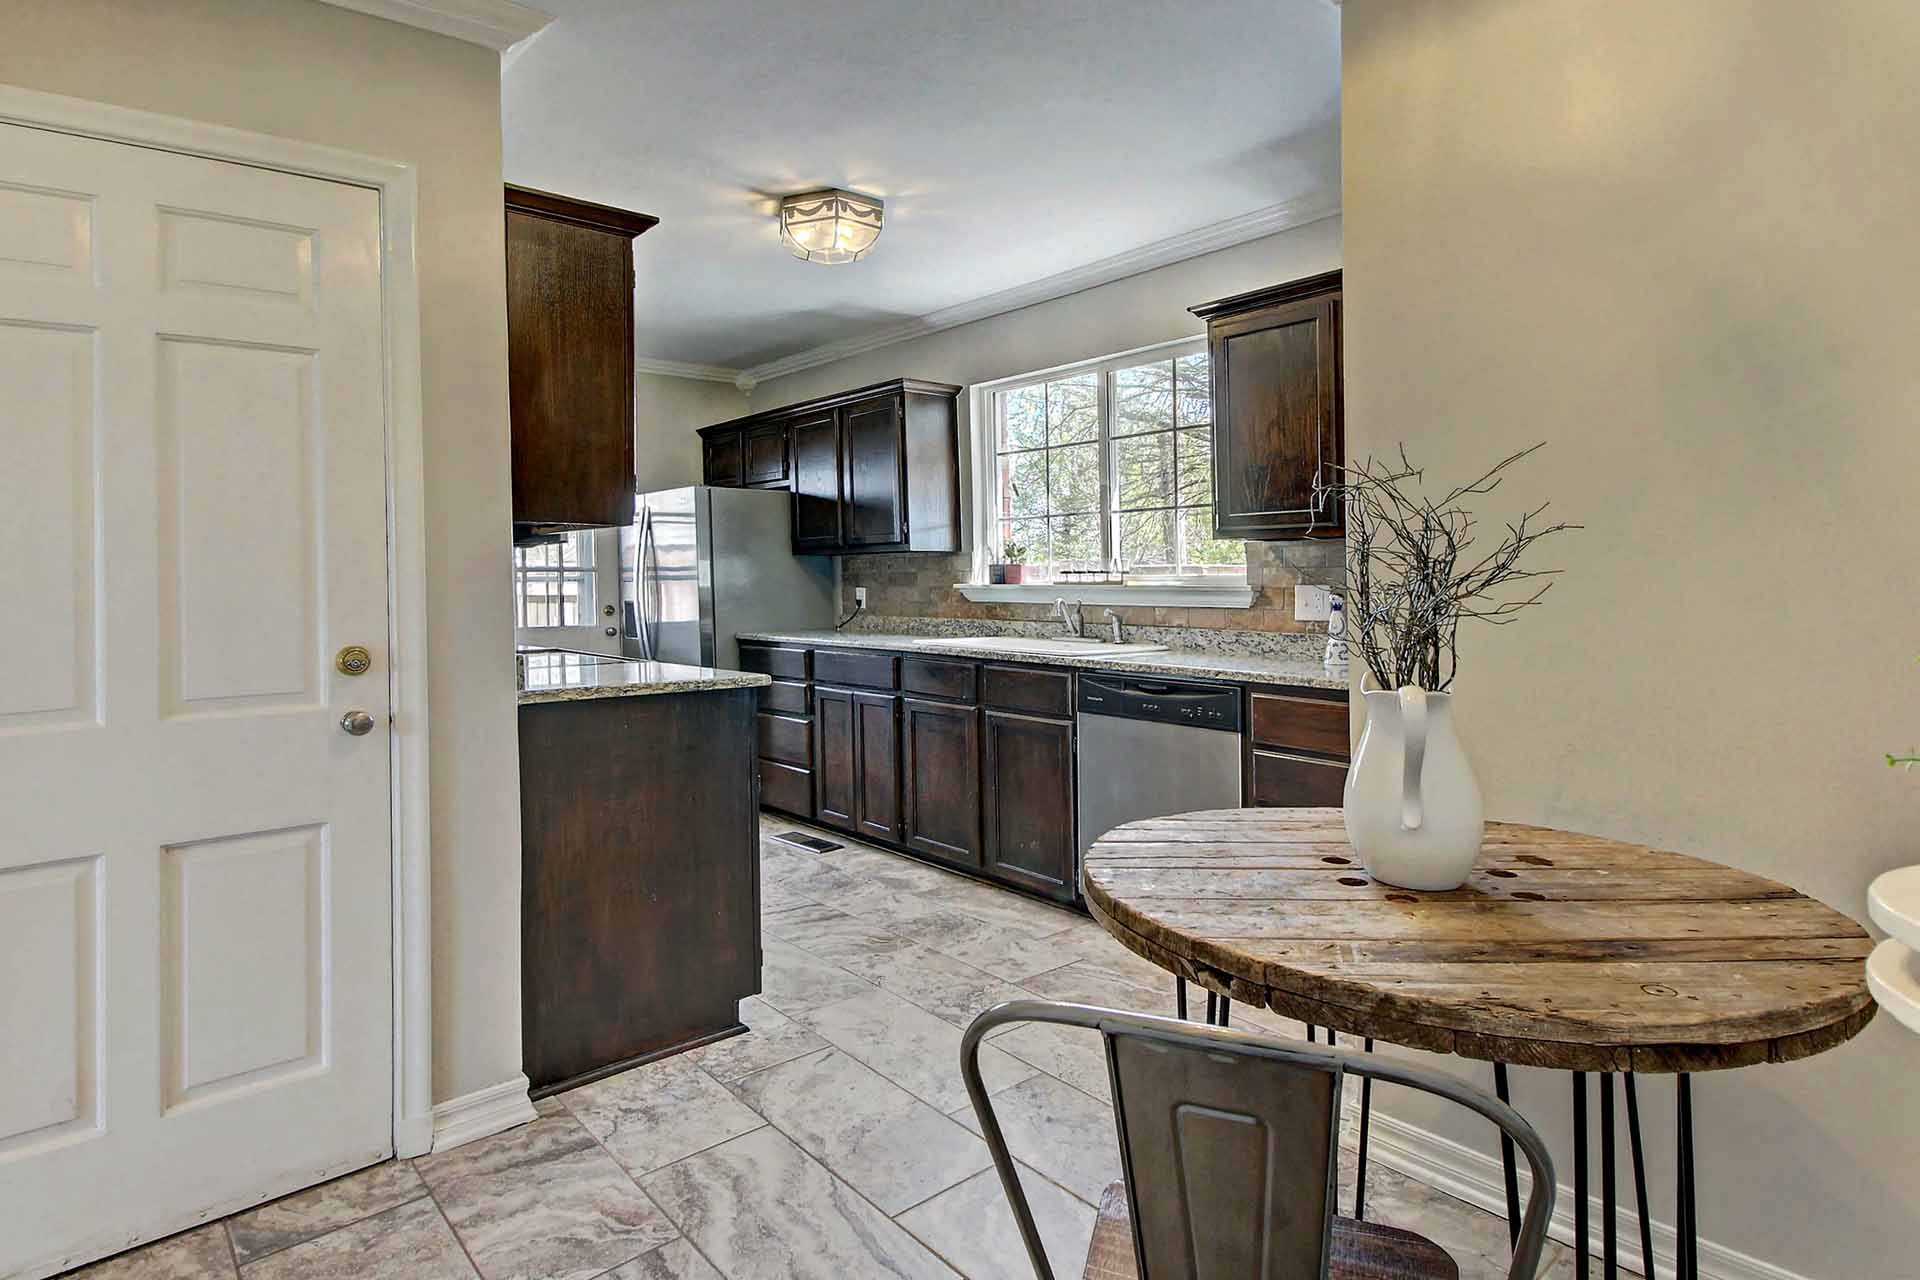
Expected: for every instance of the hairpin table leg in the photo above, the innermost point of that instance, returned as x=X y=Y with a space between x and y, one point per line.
x=1647 y=1267
x=1507 y=1164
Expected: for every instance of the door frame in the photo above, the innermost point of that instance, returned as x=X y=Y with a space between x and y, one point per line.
x=396 y=183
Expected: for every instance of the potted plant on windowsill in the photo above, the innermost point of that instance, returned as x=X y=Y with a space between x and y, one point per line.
x=1011 y=568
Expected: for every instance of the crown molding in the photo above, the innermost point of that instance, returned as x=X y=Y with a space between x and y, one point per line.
x=497 y=24
x=1161 y=253
x=684 y=369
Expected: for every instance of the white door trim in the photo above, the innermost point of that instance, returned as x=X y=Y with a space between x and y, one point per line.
x=406 y=525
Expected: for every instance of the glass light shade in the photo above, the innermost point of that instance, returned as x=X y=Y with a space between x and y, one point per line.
x=831 y=226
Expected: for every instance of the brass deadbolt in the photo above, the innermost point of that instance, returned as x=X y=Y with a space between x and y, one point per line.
x=354 y=660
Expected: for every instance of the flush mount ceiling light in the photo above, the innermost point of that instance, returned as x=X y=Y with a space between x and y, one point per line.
x=830 y=226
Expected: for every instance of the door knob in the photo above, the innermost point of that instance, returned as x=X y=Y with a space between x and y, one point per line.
x=357 y=723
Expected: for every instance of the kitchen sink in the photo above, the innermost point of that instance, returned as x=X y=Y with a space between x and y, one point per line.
x=1063 y=648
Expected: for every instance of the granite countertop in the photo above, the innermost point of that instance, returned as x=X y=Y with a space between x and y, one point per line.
x=571 y=677
x=1251 y=669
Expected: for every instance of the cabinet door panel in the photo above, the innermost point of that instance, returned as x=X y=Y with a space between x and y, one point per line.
x=1029 y=802
x=835 y=763
x=815 y=443
x=940 y=780
x=570 y=371
x=720 y=458
x=877 y=752
x=876 y=514
x=764 y=459
x=1275 y=431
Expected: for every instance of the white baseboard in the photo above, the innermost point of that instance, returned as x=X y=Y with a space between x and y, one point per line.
x=1477 y=1178
x=481 y=1114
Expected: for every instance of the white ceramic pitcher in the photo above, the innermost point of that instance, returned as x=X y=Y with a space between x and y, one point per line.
x=1412 y=805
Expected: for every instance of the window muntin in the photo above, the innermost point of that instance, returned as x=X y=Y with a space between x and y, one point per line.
x=1110 y=465
x=553 y=582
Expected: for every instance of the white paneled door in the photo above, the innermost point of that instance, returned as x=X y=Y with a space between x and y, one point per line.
x=195 y=940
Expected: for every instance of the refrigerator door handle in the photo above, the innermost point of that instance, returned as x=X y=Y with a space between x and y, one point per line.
x=649 y=593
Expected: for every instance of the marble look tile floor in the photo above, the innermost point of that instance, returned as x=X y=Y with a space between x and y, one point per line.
x=832 y=1141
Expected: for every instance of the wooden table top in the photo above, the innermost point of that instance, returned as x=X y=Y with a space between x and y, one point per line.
x=1563 y=950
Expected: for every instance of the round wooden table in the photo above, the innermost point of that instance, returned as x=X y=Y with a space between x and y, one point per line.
x=1563 y=951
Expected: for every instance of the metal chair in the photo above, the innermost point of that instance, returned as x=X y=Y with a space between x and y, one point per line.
x=1229 y=1144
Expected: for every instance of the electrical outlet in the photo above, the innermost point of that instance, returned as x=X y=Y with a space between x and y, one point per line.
x=859 y=597
x=1312 y=604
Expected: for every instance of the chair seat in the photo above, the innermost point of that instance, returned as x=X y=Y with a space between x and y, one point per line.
x=1361 y=1250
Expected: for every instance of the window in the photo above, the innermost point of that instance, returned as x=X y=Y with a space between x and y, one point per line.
x=553 y=583
x=1109 y=466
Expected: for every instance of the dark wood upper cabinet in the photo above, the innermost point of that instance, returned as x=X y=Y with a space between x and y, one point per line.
x=570 y=358
x=1278 y=426
x=940 y=780
x=875 y=469
x=1028 y=772
x=814 y=446
x=764 y=456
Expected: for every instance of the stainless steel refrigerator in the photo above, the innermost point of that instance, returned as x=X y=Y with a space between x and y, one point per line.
x=701 y=565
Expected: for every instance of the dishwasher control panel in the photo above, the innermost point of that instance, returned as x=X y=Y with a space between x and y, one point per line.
x=1205 y=706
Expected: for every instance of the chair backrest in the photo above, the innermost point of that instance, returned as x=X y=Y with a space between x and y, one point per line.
x=1230 y=1143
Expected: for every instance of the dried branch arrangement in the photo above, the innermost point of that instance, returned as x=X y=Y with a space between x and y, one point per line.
x=1411 y=574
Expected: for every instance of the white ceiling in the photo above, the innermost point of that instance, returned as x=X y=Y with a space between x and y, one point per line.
x=1013 y=141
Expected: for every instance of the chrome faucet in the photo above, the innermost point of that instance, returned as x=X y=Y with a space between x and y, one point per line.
x=1115 y=632
x=1072 y=616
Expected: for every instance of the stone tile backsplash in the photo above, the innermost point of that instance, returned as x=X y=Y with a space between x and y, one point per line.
x=922 y=587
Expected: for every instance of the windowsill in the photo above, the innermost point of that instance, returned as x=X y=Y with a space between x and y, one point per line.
x=1207 y=595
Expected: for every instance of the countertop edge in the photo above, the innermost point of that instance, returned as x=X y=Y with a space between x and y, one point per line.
x=1173 y=662
x=645 y=688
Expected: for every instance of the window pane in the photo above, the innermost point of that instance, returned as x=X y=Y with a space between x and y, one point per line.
x=1023 y=541
x=1146 y=541
x=1075 y=479
x=1073 y=410
x=1077 y=538
x=1205 y=550
x=1145 y=467
x=1025 y=423
x=1023 y=484
x=1143 y=398
x=1193 y=382
x=1196 y=468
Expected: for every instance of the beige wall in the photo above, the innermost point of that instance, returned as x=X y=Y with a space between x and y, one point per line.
x=1677 y=242
x=1136 y=312
x=667 y=413
x=309 y=71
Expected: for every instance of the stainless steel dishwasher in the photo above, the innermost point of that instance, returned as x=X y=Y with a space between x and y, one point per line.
x=1151 y=747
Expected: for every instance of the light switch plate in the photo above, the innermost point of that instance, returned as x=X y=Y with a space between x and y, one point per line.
x=1312 y=604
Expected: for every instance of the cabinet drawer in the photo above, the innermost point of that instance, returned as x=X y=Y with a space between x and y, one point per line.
x=937 y=679
x=1300 y=724
x=787 y=739
x=788 y=787
x=1284 y=781
x=1039 y=693
x=774 y=660
x=790 y=697
x=870 y=670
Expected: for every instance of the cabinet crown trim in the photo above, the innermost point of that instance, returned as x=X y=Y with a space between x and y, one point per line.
x=581 y=213
x=838 y=398
x=1254 y=299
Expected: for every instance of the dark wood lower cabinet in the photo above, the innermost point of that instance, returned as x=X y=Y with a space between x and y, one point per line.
x=1028 y=787
x=1281 y=780
x=940 y=780
x=835 y=762
x=876 y=742
x=640 y=878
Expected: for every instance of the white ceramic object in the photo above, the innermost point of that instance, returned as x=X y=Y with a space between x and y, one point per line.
x=1413 y=809
x=1893 y=901
x=1893 y=976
